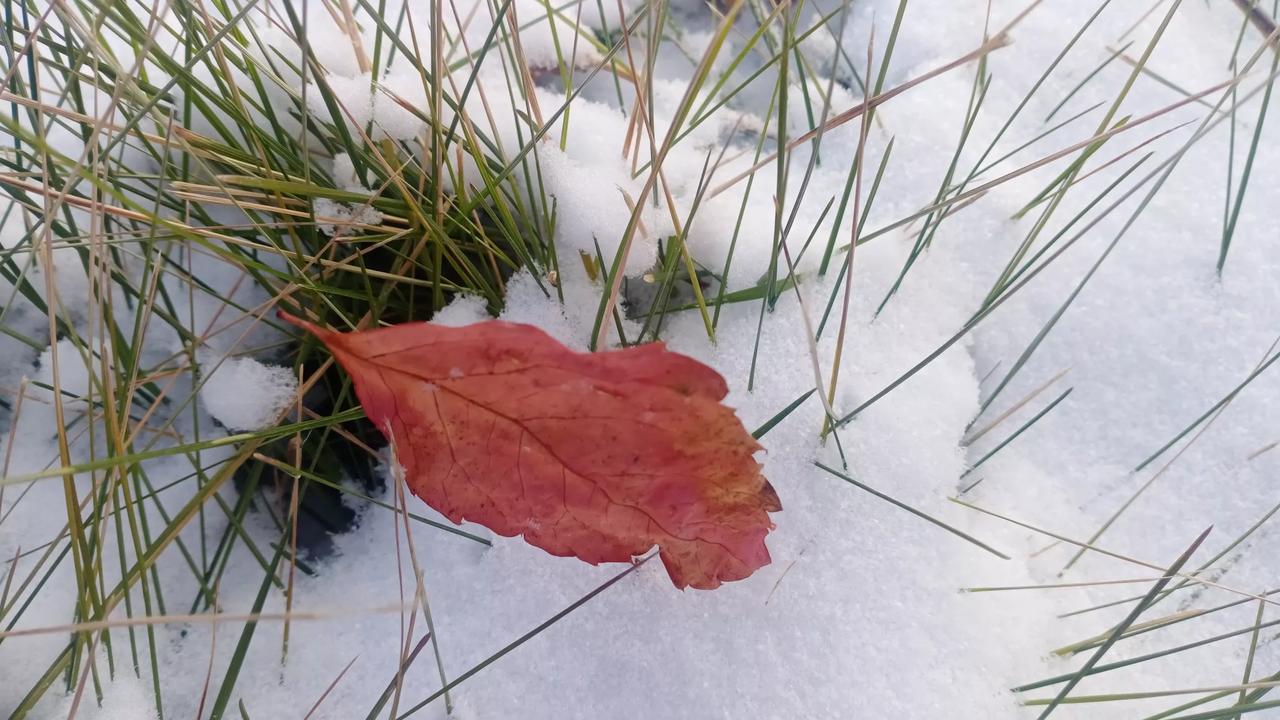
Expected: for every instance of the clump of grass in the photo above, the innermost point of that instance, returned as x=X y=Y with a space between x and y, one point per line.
x=199 y=150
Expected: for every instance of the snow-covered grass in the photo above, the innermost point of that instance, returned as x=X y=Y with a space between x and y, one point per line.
x=994 y=282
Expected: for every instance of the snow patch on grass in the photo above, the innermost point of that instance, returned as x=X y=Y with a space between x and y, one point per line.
x=244 y=394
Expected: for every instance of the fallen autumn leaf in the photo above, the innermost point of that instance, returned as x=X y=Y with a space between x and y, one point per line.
x=599 y=456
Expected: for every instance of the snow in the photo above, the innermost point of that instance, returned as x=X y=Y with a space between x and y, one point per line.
x=24 y=248
x=859 y=614
x=126 y=701
x=244 y=394
x=335 y=218
x=344 y=174
x=74 y=369
x=382 y=103
x=462 y=310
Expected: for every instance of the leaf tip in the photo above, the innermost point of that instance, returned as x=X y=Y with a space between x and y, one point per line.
x=769 y=498
x=303 y=324
x=288 y=317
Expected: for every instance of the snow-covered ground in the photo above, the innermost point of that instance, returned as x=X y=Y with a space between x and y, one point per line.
x=860 y=615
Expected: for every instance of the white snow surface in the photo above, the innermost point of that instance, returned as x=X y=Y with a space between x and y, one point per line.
x=860 y=614
x=335 y=218
x=244 y=394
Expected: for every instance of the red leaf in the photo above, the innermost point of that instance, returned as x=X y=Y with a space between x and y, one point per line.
x=596 y=455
